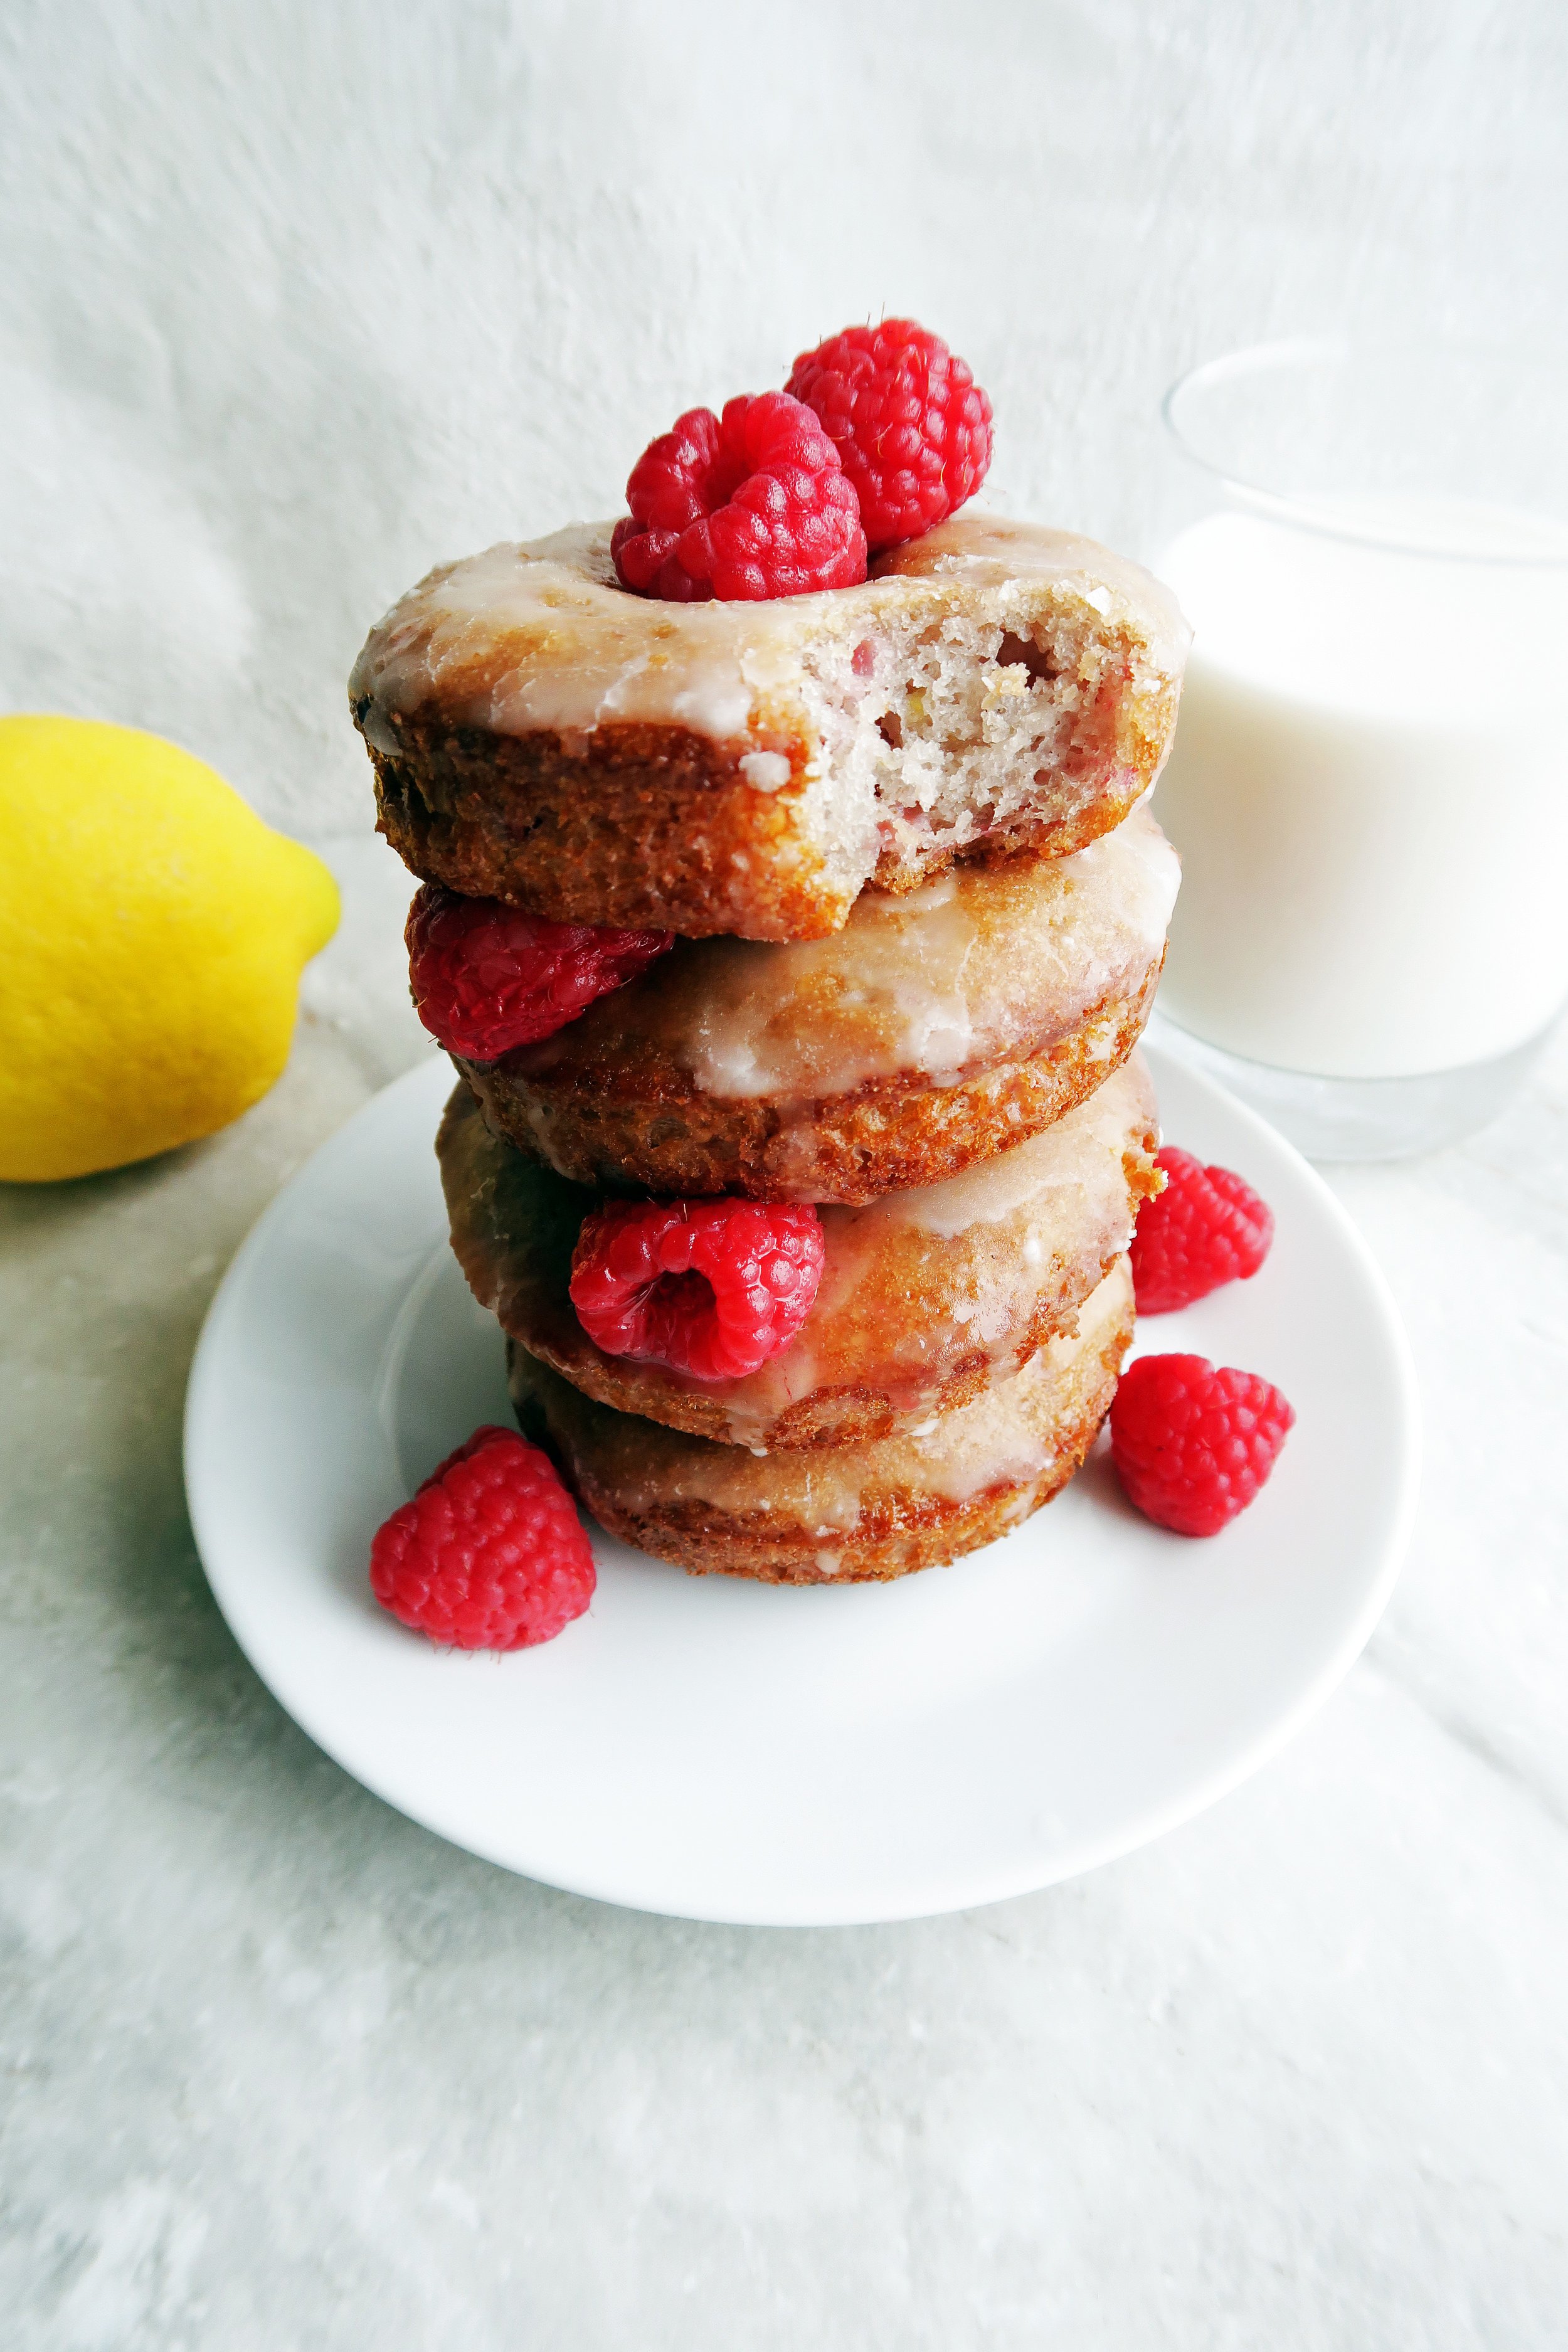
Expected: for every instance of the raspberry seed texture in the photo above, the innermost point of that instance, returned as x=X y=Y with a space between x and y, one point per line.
x=485 y=977
x=712 y=1288
x=746 y=506
x=911 y=423
x=1193 y=1446
x=1205 y=1228
x=490 y=1553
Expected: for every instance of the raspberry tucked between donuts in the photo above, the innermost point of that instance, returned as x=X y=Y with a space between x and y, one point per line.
x=485 y=977
x=710 y=1287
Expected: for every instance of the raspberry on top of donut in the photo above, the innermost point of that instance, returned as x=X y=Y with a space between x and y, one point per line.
x=746 y=506
x=881 y=433
x=907 y=419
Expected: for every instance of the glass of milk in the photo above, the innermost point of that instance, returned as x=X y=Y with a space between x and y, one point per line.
x=1369 y=787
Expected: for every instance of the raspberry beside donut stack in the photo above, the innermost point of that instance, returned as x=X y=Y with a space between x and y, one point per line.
x=791 y=930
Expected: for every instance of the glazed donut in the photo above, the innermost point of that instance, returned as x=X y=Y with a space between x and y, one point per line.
x=935 y=1030
x=927 y=1298
x=541 y=735
x=840 y=1514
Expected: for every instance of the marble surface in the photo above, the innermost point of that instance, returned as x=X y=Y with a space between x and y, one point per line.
x=281 y=2069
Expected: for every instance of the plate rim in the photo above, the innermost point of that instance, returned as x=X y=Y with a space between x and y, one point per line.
x=1150 y=1823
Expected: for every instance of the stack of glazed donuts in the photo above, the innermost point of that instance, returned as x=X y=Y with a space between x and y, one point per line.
x=919 y=914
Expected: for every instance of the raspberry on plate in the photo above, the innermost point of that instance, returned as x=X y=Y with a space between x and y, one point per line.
x=712 y=1288
x=1193 y=1446
x=746 y=506
x=908 y=420
x=485 y=977
x=1205 y=1228
x=490 y=1553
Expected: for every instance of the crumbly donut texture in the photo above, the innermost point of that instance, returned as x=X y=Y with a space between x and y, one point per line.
x=832 y=1515
x=935 y=1029
x=539 y=734
x=927 y=1298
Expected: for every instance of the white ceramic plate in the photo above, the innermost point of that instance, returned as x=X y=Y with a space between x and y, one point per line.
x=725 y=1750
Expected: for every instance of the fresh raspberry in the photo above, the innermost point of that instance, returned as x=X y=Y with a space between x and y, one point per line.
x=912 y=424
x=710 y=1287
x=1207 y=1227
x=488 y=1554
x=752 y=504
x=485 y=977
x=1192 y=1446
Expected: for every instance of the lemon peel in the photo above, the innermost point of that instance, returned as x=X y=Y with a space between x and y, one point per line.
x=153 y=931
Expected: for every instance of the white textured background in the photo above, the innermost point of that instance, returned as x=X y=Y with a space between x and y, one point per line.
x=301 y=296
x=295 y=300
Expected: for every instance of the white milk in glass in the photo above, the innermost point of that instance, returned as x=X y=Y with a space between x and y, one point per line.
x=1369 y=789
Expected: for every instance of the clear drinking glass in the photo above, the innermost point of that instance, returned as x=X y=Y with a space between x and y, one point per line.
x=1369 y=786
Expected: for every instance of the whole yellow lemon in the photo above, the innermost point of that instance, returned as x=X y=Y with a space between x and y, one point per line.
x=153 y=931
